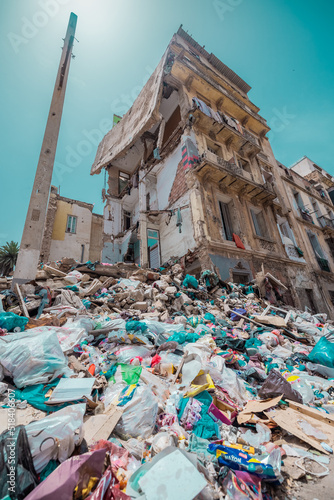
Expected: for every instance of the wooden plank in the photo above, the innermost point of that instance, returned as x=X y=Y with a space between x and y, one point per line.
x=21 y=301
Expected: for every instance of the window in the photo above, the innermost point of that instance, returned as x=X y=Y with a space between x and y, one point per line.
x=259 y=223
x=286 y=231
x=331 y=294
x=240 y=278
x=298 y=201
x=126 y=220
x=244 y=164
x=71 y=226
x=148 y=202
x=226 y=220
x=318 y=252
x=214 y=148
x=123 y=181
x=330 y=243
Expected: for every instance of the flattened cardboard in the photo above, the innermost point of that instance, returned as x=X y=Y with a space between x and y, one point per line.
x=255 y=406
x=288 y=420
x=101 y=426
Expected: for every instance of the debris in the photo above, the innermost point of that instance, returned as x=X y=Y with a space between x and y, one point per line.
x=148 y=366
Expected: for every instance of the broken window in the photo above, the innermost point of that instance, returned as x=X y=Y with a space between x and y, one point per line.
x=126 y=220
x=226 y=220
x=310 y=297
x=123 y=181
x=71 y=226
x=259 y=223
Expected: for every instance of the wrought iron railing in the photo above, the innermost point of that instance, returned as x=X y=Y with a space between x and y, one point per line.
x=323 y=264
x=326 y=221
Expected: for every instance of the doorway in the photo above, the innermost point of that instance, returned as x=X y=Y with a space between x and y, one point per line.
x=153 y=248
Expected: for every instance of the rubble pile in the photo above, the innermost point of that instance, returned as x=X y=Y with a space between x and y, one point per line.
x=119 y=382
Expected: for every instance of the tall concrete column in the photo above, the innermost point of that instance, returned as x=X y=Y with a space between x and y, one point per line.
x=32 y=236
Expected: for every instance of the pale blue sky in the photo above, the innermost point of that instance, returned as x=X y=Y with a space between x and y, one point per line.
x=282 y=48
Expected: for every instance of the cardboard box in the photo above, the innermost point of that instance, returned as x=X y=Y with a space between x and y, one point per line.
x=222 y=411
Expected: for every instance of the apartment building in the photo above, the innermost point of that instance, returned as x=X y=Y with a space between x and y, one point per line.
x=192 y=176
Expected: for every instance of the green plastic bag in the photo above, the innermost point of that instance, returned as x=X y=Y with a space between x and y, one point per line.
x=131 y=374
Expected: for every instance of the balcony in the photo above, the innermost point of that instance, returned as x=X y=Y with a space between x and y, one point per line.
x=225 y=131
x=326 y=222
x=226 y=174
x=305 y=215
x=323 y=264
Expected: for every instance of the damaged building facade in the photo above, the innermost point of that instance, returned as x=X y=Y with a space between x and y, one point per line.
x=71 y=230
x=192 y=176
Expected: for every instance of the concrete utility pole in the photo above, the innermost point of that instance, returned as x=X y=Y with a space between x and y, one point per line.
x=32 y=236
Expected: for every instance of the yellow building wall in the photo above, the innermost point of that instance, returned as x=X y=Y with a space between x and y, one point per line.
x=59 y=227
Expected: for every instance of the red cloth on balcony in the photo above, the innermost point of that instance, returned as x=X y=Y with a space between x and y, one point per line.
x=238 y=241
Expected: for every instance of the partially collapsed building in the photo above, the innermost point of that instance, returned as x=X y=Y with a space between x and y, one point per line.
x=192 y=176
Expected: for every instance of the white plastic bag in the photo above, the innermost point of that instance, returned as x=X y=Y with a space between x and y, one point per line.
x=139 y=415
x=55 y=437
x=32 y=357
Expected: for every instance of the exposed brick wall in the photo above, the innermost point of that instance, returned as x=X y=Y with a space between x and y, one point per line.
x=179 y=186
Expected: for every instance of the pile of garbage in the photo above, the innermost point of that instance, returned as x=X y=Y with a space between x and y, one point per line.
x=118 y=382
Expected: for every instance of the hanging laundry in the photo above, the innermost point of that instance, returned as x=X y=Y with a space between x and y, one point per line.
x=189 y=151
x=239 y=127
x=202 y=106
x=238 y=241
x=179 y=220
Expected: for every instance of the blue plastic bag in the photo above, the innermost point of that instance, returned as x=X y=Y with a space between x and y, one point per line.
x=323 y=353
x=9 y=321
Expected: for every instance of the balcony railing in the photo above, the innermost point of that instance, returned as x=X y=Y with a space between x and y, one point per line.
x=323 y=264
x=234 y=169
x=229 y=122
x=326 y=222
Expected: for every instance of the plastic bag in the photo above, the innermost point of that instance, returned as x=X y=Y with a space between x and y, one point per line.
x=126 y=353
x=16 y=465
x=190 y=282
x=275 y=385
x=323 y=353
x=9 y=321
x=32 y=357
x=55 y=437
x=262 y=436
x=73 y=277
x=139 y=415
